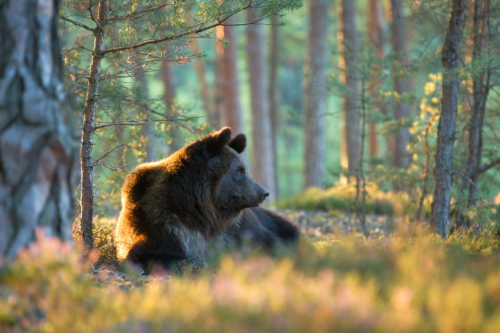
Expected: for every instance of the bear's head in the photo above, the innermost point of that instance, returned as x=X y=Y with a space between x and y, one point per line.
x=232 y=187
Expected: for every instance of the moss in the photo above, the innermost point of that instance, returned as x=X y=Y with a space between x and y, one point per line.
x=341 y=198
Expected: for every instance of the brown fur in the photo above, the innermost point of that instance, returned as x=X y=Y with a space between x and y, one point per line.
x=174 y=209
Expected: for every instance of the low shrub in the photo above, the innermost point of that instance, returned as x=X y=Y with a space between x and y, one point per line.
x=414 y=282
x=104 y=239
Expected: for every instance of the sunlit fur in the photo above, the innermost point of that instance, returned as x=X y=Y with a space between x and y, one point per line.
x=174 y=209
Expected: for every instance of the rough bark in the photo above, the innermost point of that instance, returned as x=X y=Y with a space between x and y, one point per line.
x=376 y=27
x=168 y=79
x=38 y=153
x=86 y=158
x=401 y=107
x=273 y=94
x=479 y=95
x=315 y=94
x=350 y=54
x=262 y=156
x=204 y=89
x=440 y=215
x=231 y=93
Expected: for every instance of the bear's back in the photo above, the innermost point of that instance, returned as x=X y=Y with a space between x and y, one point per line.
x=137 y=193
x=143 y=179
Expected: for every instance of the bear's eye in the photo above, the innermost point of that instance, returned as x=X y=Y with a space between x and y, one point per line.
x=240 y=171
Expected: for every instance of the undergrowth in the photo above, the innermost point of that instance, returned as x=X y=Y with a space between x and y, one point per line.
x=342 y=197
x=103 y=230
x=413 y=282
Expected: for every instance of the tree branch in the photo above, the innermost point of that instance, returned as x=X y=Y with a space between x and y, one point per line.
x=172 y=120
x=91 y=13
x=142 y=64
x=112 y=11
x=109 y=151
x=191 y=32
x=112 y=76
x=464 y=177
x=112 y=169
x=156 y=41
x=93 y=19
x=486 y=167
x=134 y=122
x=144 y=11
x=76 y=23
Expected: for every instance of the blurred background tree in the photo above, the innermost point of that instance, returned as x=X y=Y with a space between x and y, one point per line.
x=153 y=76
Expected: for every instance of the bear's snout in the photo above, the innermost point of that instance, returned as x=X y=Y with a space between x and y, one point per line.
x=264 y=195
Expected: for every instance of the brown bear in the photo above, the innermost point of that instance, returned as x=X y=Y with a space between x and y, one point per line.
x=175 y=209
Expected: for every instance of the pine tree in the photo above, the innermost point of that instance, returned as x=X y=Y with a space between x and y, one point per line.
x=262 y=157
x=440 y=215
x=315 y=95
x=350 y=54
x=231 y=93
x=113 y=21
x=39 y=153
x=401 y=107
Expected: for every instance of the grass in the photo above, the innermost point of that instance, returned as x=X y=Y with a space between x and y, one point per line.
x=413 y=282
x=341 y=198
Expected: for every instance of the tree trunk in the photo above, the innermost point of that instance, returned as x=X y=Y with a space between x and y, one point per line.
x=376 y=27
x=168 y=79
x=140 y=75
x=261 y=118
x=350 y=54
x=273 y=94
x=401 y=107
x=315 y=94
x=220 y=82
x=86 y=157
x=232 y=109
x=38 y=154
x=440 y=215
x=205 y=90
x=480 y=95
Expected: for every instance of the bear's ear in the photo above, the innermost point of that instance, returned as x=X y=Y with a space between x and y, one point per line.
x=217 y=141
x=238 y=143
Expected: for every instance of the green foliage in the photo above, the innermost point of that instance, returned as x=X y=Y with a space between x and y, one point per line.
x=408 y=283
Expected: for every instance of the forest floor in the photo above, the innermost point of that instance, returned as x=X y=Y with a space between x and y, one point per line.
x=321 y=223
x=400 y=278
